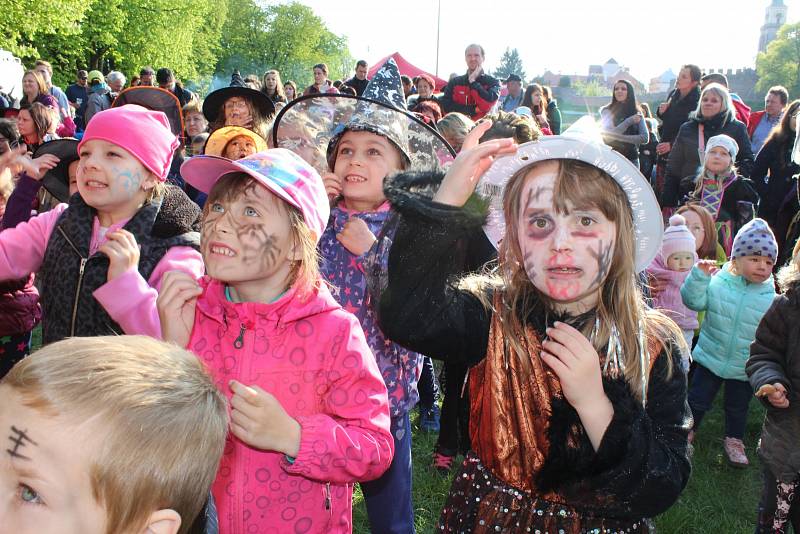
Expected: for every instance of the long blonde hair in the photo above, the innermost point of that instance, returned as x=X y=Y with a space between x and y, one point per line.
x=621 y=302
x=789 y=274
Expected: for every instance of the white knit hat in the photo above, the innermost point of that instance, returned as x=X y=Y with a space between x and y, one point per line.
x=726 y=142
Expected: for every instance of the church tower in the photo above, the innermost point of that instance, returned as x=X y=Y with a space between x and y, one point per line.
x=775 y=18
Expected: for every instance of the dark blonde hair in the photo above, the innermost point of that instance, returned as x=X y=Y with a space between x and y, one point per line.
x=708 y=250
x=581 y=185
x=261 y=123
x=160 y=421
x=305 y=271
x=789 y=275
x=40 y=83
x=43 y=118
x=278 y=87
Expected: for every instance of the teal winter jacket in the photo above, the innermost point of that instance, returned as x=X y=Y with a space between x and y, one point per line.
x=733 y=307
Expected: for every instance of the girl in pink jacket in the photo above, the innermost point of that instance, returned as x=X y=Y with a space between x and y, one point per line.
x=672 y=266
x=100 y=258
x=310 y=411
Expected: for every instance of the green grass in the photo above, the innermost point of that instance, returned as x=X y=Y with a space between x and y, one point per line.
x=719 y=498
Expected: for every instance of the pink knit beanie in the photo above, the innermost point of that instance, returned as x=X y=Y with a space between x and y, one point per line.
x=677 y=238
x=144 y=133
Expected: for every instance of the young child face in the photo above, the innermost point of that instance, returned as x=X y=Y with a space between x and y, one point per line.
x=680 y=261
x=695 y=225
x=247 y=238
x=566 y=255
x=755 y=269
x=363 y=160
x=718 y=160
x=45 y=472
x=111 y=179
x=239 y=147
x=72 y=173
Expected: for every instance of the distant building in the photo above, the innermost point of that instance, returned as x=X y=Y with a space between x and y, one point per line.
x=740 y=81
x=663 y=83
x=607 y=75
x=774 y=19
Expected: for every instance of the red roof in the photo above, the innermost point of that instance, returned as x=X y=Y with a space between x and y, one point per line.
x=406 y=68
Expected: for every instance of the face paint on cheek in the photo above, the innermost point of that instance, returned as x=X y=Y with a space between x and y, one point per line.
x=265 y=246
x=129 y=182
x=601 y=254
x=20 y=439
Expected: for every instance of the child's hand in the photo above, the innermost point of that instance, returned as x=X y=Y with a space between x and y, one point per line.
x=572 y=357
x=38 y=167
x=775 y=393
x=466 y=170
x=333 y=185
x=356 y=236
x=176 y=307
x=258 y=419
x=708 y=266
x=122 y=251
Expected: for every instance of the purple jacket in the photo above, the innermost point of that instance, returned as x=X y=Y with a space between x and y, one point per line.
x=669 y=301
x=399 y=367
x=20 y=310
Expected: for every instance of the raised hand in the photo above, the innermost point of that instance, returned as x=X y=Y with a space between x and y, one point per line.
x=176 y=305
x=474 y=159
x=333 y=185
x=708 y=266
x=258 y=419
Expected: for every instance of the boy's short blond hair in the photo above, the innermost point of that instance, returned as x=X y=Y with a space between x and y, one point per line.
x=160 y=421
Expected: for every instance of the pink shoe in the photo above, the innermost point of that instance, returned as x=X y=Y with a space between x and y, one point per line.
x=734 y=450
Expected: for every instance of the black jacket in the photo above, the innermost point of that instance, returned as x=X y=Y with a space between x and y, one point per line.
x=773 y=188
x=472 y=99
x=684 y=158
x=775 y=358
x=642 y=464
x=358 y=85
x=677 y=113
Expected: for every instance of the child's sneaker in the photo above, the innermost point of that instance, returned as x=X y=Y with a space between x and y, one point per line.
x=734 y=450
x=429 y=419
x=442 y=462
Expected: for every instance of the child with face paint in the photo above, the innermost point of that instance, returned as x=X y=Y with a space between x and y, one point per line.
x=310 y=412
x=729 y=197
x=117 y=434
x=102 y=256
x=677 y=257
x=578 y=419
x=735 y=299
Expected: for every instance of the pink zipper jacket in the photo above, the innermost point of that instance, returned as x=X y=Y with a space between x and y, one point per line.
x=313 y=357
x=129 y=299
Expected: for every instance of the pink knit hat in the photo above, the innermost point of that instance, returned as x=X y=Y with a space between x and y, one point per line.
x=677 y=238
x=145 y=134
x=281 y=171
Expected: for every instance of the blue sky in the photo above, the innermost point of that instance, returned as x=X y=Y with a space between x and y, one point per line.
x=648 y=36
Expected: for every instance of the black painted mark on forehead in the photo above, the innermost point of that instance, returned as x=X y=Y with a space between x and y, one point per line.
x=20 y=439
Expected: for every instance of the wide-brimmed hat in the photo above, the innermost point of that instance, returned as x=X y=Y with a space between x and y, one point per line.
x=281 y=171
x=312 y=125
x=215 y=99
x=219 y=139
x=154 y=99
x=56 y=180
x=581 y=142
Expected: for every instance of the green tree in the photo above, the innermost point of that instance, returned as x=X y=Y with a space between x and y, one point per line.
x=591 y=88
x=287 y=37
x=510 y=63
x=23 y=22
x=565 y=81
x=780 y=64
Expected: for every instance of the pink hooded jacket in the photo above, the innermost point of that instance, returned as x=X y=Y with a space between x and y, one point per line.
x=312 y=356
x=669 y=301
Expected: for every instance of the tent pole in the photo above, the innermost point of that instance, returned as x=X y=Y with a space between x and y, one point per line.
x=438 y=29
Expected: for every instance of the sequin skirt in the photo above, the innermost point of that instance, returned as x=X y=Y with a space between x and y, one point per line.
x=481 y=503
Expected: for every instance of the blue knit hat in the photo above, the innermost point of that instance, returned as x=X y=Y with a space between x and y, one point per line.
x=755 y=239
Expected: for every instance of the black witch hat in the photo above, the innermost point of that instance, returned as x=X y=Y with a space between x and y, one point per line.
x=213 y=102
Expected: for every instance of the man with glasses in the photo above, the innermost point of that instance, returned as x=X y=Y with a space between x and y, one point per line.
x=78 y=97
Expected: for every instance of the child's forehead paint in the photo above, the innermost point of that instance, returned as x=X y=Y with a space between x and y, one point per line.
x=19 y=440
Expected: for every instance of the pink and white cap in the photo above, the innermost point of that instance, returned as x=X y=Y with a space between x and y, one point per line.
x=280 y=170
x=144 y=133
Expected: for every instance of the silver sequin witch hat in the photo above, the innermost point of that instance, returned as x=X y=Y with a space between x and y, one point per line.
x=312 y=125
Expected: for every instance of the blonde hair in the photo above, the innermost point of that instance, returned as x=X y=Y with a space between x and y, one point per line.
x=278 y=88
x=454 y=127
x=161 y=422
x=305 y=270
x=621 y=302
x=789 y=274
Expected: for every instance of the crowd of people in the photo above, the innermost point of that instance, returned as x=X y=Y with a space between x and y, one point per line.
x=240 y=298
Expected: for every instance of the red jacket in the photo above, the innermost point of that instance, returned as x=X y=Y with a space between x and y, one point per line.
x=472 y=99
x=752 y=123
